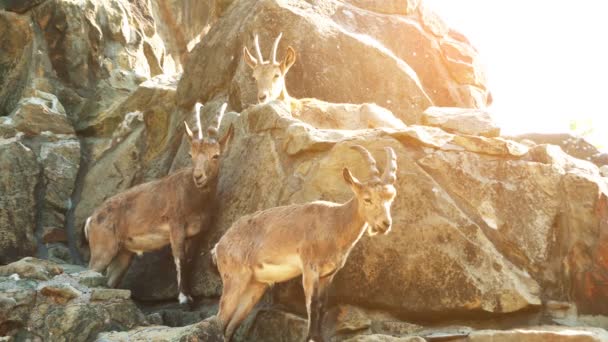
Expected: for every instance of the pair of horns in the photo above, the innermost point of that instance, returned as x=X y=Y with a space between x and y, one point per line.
x=260 y=59
x=213 y=129
x=390 y=170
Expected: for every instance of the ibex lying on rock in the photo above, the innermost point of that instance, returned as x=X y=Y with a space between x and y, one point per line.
x=152 y=215
x=312 y=239
x=270 y=80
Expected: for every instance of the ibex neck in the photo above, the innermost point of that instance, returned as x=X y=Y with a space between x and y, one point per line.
x=354 y=224
x=284 y=95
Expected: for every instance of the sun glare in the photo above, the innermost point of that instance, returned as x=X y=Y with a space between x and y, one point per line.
x=546 y=62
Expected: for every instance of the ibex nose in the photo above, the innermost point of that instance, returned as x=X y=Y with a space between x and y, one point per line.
x=262 y=98
x=198 y=177
x=386 y=224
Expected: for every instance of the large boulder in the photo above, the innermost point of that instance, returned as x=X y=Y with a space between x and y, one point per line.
x=41 y=302
x=16 y=46
x=18 y=179
x=445 y=260
x=402 y=64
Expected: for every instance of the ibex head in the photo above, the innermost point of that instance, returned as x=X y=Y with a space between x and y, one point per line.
x=376 y=195
x=270 y=75
x=205 y=152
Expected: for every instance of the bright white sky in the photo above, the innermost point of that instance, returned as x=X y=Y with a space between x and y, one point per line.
x=546 y=61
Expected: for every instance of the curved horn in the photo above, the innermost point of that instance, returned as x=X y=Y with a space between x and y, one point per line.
x=197 y=113
x=274 y=48
x=256 y=42
x=390 y=170
x=370 y=160
x=213 y=131
x=188 y=130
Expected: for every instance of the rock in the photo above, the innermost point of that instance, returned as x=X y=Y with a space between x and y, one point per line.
x=45 y=308
x=272 y=325
x=16 y=47
x=456 y=273
x=207 y=330
x=181 y=23
x=604 y=171
x=388 y=7
x=351 y=319
x=110 y=294
x=18 y=180
x=53 y=234
x=332 y=45
x=461 y=121
x=20 y=6
x=32 y=268
x=35 y=115
x=540 y=334
x=59 y=252
x=575 y=146
x=60 y=160
x=90 y=278
x=384 y=338
x=63 y=292
x=155 y=318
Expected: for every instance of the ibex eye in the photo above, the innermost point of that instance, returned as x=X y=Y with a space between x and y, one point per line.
x=216 y=156
x=367 y=200
x=276 y=76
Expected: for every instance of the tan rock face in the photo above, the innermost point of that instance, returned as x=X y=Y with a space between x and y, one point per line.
x=539 y=334
x=16 y=47
x=462 y=270
x=460 y=120
x=406 y=76
x=387 y=7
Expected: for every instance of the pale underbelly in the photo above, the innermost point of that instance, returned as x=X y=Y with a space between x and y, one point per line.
x=276 y=271
x=148 y=242
x=269 y=273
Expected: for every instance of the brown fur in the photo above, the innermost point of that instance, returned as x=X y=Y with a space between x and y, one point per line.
x=152 y=215
x=312 y=239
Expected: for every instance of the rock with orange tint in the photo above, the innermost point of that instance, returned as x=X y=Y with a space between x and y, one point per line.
x=403 y=7
x=436 y=259
x=462 y=120
x=403 y=65
x=538 y=334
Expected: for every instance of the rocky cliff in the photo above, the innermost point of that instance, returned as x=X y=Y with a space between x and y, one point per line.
x=489 y=232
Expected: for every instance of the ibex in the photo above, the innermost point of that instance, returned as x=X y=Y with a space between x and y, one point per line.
x=313 y=239
x=152 y=215
x=270 y=80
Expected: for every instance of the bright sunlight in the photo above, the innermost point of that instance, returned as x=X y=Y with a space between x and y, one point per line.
x=546 y=62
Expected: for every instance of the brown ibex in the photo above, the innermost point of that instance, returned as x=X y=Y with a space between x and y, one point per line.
x=166 y=211
x=270 y=81
x=313 y=239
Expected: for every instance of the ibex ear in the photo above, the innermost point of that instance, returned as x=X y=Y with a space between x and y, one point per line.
x=290 y=58
x=227 y=138
x=350 y=179
x=249 y=59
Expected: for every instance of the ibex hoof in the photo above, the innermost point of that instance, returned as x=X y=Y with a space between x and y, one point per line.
x=185 y=301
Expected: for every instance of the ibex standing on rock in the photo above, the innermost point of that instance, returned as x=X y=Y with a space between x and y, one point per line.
x=152 y=215
x=312 y=239
x=270 y=80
